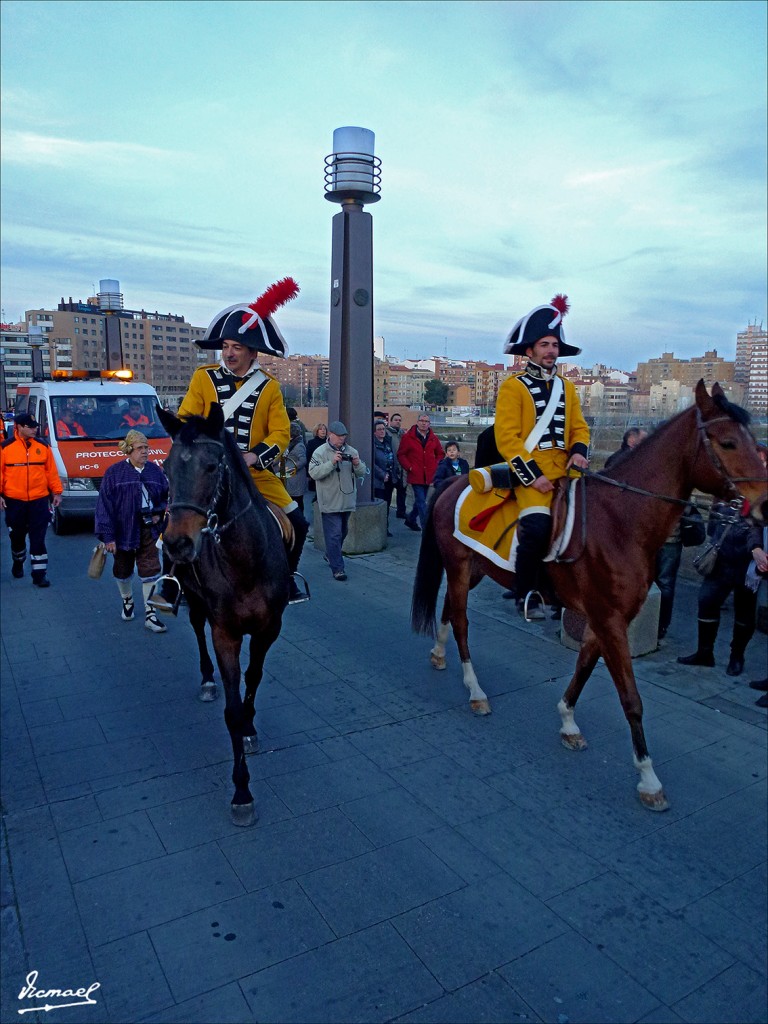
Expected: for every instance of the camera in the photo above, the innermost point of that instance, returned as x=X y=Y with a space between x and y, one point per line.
x=147 y=518
x=345 y=457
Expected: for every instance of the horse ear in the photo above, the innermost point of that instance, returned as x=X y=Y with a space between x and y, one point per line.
x=171 y=423
x=215 y=423
x=703 y=400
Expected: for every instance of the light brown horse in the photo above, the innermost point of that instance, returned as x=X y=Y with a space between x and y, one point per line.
x=606 y=571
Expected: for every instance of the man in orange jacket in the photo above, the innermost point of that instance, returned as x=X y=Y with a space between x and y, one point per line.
x=28 y=483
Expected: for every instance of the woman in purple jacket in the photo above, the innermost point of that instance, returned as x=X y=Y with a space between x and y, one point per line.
x=130 y=511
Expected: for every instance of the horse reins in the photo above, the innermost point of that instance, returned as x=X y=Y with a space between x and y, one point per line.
x=736 y=503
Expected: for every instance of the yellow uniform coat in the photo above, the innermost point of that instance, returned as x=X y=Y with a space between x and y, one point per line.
x=269 y=424
x=516 y=418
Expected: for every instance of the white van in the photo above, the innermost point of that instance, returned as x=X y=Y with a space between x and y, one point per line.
x=82 y=418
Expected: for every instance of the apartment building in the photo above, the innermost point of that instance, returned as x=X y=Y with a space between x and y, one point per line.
x=158 y=347
x=751 y=369
x=710 y=366
x=304 y=379
x=16 y=347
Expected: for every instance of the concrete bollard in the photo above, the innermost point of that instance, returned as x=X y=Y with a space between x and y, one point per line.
x=642 y=633
x=367 y=529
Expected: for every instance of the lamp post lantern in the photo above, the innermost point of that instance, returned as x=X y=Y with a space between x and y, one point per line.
x=353 y=179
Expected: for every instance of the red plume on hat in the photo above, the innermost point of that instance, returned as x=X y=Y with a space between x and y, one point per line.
x=560 y=302
x=274 y=297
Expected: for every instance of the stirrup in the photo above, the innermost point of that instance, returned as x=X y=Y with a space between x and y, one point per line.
x=158 y=602
x=298 y=596
x=542 y=605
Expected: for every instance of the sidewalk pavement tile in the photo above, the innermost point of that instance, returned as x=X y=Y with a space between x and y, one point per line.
x=137 y=897
x=212 y=947
x=568 y=978
x=327 y=785
x=132 y=981
x=466 y=934
x=157 y=791
x=516 y=840
x=392 y=815
x=225 y=1005
x=393 y=878
x=202 y=819
x=442 y=785
x=109 y=845
x=371 y=976
x=289 y=849
x=94 y=762
x=618 y=919
x=734 y=916
x=737 y=996
x=489 y=1000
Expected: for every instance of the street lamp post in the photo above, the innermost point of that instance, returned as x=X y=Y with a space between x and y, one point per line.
x=353 y=179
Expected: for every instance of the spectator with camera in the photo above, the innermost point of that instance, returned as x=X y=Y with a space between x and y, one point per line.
x=336 y=467
x=130 y=511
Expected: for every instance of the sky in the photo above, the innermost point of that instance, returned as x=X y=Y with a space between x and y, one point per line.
x=612 y=151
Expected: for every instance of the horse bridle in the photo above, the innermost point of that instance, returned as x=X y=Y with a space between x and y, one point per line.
x=736 y=502
x=704 y=440
x=210 y=515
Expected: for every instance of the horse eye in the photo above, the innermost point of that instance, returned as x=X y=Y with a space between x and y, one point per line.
x=729 y=446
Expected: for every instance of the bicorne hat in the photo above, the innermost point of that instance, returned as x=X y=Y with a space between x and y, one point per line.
x=252 y=325
x=541 y=322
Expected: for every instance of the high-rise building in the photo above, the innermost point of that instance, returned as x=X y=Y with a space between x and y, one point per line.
x=752 y=366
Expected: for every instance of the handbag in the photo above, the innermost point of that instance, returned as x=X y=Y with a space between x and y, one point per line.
x=98 y=561
x=704 y=563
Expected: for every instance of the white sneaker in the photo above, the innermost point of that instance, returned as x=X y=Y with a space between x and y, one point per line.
x=152 y=622
x=127 y=613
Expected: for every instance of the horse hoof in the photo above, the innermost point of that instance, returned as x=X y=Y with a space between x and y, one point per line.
x=480 y=707
x=573 y=741
x=243 y=815
x=654 y=801
x=208 y=692
x=250 y=744
x=438 y=662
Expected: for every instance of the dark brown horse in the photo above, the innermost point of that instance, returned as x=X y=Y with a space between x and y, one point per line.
x=231 y=562
x=606 y=571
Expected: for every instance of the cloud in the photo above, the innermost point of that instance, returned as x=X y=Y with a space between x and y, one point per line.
x=34 y=150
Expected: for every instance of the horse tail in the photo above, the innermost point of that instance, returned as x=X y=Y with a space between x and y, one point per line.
x=429 y=575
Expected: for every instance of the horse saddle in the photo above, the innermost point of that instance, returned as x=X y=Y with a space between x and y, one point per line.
x=487 y=522
x=285 y=524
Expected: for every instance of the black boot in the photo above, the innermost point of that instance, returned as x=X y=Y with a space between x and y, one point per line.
x=297 y=594
x=742 y=634
x=17 y=566
x=704 y=653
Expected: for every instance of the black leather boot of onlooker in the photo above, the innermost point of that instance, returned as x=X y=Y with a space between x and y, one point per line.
x=705 y=652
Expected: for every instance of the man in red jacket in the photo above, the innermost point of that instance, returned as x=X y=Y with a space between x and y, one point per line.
x=28 y=482
x=419 y=454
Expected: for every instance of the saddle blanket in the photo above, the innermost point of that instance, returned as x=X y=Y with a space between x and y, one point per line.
x=487 y=523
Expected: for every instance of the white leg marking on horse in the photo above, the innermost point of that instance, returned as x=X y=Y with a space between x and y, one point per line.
x=649 y=782
x=471 y=683
x=568 y=727
x=438 y=651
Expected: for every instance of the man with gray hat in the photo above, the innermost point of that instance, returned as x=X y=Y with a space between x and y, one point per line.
x=336 y=467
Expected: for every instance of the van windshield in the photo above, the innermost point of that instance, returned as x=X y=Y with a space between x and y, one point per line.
x=104 y=418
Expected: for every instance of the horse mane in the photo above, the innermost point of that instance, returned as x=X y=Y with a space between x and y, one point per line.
x=194 y=426
x=731 y=409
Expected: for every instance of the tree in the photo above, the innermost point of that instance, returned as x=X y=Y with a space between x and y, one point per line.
x=435 y=392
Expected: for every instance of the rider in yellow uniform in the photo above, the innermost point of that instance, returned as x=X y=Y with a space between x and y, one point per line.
x=541 y=432
x=259 y=422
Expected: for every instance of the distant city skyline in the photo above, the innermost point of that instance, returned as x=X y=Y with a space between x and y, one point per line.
x=614 y=152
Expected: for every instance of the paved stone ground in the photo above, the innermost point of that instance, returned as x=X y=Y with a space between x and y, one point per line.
x=411 y=863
